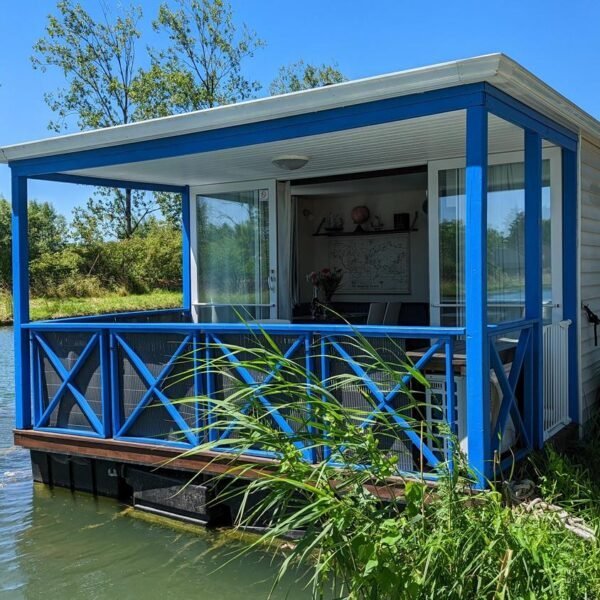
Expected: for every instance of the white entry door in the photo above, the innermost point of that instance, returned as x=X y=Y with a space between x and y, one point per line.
x=234 y=251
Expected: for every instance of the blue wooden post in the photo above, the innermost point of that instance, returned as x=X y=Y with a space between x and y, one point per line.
x=186 y=249
x=20 y=273
x=478 y=357
x=570 y=270
x=534 y=405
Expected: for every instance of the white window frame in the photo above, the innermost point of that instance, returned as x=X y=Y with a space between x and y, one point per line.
x=222 y=188
x=553 y=154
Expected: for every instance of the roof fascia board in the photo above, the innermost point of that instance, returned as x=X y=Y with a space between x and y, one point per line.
x=301 y=125
x=523 y=85
x=404 y=83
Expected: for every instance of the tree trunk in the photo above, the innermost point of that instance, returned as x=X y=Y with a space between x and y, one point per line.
x=128 y=219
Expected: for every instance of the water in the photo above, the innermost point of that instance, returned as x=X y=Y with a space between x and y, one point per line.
x=56 y=544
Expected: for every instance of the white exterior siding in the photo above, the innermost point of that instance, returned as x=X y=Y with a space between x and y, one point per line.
x=589 y=273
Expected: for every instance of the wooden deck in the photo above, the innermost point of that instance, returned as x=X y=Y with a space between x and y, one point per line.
x=210 y=463
x=161 y=457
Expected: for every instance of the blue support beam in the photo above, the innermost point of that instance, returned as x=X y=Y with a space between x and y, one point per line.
x=20 y=273
x=571 y=308
x=478 y=370
x=111 y=183
x=271 y=130
x=186 y=249
x=508 y=108
x=534 y=404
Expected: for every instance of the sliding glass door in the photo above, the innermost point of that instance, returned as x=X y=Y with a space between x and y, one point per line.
x=234 y=252
x=505 y=239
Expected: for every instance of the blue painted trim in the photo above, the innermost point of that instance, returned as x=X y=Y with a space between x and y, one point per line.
x=383 y=400
x=152 y=382
x=186 y=249
x=76 y=432
x=210 y=387
x=478 y=371
x=105 y=383
x=198 y=383
x=111 y=183
x=450 y=403
x=154 y=441
x=571 y=310
x=508 y=108
x=67 y=377
x=272 y=130
x=508 y=396
x=20 y=273
x=534 y=401
x=274 y=328
x=249 y=380
x=116 y=408
x=110 y=318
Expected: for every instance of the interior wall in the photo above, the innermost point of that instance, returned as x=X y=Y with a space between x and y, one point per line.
x=383 y=196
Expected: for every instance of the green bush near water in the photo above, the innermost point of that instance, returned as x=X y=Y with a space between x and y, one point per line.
x=448 y=542
x=61 y=268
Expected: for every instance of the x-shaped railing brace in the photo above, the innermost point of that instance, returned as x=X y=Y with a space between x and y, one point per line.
x=249 y=380
x=384 y=400
x=154 y=384
x=68 y=377
x=509 y=387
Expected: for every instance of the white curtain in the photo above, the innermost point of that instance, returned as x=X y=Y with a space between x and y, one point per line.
x=287 y=294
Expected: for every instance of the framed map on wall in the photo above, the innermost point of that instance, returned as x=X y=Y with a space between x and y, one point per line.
x=372 y=264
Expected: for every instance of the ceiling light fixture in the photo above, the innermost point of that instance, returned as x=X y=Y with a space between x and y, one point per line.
x=290 y=162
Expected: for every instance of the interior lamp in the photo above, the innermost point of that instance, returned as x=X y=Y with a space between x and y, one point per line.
x=290 y=162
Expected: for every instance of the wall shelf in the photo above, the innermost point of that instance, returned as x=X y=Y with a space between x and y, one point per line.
x=360 y=233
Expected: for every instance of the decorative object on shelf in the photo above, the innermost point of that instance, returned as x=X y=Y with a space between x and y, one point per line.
x=328 y=280
x=402 y=221
x=360 y=215
x=334 y=222
x=290 y=162
x=377 y=223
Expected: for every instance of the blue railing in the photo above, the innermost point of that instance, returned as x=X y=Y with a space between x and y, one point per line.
x=511 y=362
x=124 y=380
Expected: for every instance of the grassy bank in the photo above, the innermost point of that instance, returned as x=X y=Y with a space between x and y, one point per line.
x=53 y=308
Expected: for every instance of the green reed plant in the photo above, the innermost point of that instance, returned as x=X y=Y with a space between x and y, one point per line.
x=368 y=532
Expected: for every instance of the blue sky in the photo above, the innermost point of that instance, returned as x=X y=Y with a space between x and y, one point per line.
x=559 y=41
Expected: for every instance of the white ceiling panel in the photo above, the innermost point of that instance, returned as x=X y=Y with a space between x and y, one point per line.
x=402 y=143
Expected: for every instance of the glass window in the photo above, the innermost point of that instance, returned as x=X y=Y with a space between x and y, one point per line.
x=233 y=248
x=505 y=242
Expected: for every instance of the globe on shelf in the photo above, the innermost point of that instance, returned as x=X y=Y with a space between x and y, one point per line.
x=360 y=215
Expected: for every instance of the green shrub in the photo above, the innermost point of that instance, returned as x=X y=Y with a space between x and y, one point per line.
x=446 y=542
x=139 y=264
x=50 y=270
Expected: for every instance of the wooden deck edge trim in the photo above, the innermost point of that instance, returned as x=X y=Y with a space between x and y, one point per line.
x=210 y=463
x=162 y=457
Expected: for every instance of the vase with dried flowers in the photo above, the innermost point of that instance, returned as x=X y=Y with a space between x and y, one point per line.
x=328 y=280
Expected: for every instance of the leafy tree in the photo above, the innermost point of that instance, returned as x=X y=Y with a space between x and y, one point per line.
x=48 y=233
x=98 y=61
x=301 y=76
x=202 y=67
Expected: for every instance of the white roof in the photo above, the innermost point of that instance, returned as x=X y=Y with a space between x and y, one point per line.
x=497 y=69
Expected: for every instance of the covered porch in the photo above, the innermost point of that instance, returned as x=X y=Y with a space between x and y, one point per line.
x=466 y=265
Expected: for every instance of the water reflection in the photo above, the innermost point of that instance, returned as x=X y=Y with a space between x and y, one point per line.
x=55 y=544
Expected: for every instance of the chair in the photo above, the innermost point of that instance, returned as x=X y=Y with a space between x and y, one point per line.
x=376 y=313
x=392 y=313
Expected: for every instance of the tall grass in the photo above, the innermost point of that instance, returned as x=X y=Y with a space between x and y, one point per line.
x=366 y=532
